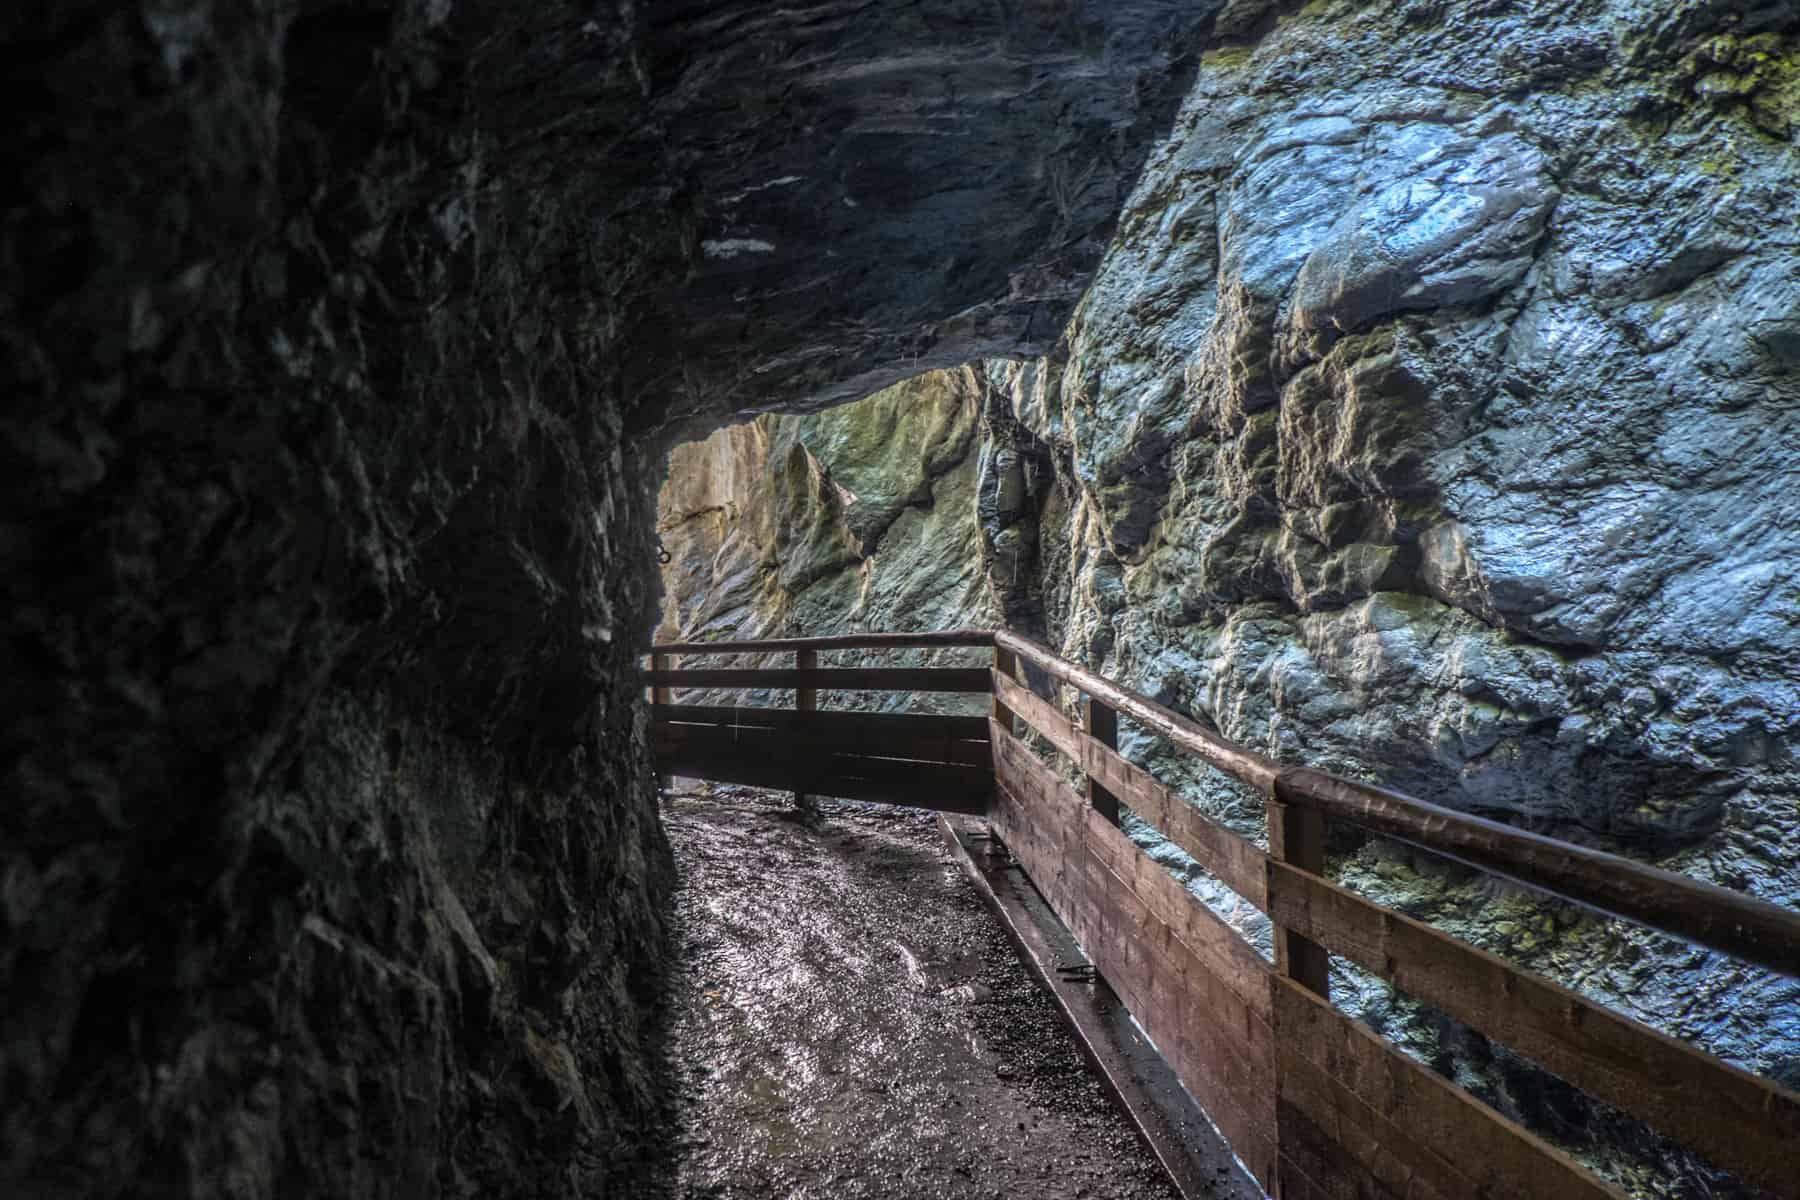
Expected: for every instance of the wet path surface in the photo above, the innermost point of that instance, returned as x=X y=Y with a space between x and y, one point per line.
x=852 y=1022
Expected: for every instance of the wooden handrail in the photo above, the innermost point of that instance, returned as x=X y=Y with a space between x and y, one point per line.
x=826 y=679
x=1234 y=760
x=1703 y=913
x=843 y=641
x=1307 y=1095
x=1691 y=909
x=1749 y=1124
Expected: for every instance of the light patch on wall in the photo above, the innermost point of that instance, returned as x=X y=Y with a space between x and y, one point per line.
x=732 y=247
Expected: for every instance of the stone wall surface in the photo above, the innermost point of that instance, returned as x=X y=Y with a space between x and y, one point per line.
x=1431 y=419
x=1435 y=397
x=342 y=342
x=861 y=517
x=1432 y=424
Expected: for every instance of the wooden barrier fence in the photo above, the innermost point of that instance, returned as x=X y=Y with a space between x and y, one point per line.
x=1314 y=1103
x=922 y=760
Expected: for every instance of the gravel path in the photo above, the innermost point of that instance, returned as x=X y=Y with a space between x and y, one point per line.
x=851 y=1021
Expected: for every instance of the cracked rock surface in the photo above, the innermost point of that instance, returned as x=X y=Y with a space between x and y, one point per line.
x=341 y=342
x=1431 y=419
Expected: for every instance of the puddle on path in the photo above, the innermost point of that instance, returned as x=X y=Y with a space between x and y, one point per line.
x=851 y=1021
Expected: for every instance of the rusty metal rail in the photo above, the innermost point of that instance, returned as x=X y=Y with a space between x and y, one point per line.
x=1314 y=1103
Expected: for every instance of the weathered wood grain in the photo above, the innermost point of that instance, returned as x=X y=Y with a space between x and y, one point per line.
x=806 y=703
x=1430 y=1119
x=1176 y=976
x=1711 y=916
x=1234 y=760
x=1101 y=724
x=1297 y=838
x=833 y=679
x=943 y=787
x=923 y=743
x=1745 y=1123
x=842 y=641
x=837 y=722
x=1040 y=714
x=1006 y=666
x=1233 y=860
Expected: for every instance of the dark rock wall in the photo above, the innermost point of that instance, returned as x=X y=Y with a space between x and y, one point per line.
x=329 y=857
x=342 y=341
x=887 y=194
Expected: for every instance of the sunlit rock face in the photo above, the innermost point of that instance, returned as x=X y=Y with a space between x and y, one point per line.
x=1432 y=380
x=342 y=343
x=862 y=517
x=1431 y=419
x=919 y=507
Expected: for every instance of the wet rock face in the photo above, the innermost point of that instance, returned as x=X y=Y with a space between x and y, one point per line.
x=340 y=343
x=929 y=505
x=1427 y=380
x=860 y=517
x=1431 y=419
x=1430 y=424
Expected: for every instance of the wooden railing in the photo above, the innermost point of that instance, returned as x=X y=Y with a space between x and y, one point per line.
x=1314 y=1103
x=924 y=760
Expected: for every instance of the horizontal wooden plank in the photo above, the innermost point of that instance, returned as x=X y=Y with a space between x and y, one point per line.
x=936 y=786
x=1224 y=954
x=839 y=641
x=1746 y=1124
x=1234 y=760
x=1728 y=921
x=1174 y=980
x=1218 y=948
x=828 y=679
x=973 y=729
x=1233 y=860
x=1499 y=1158
x=1224 y=1061
x=914 y=745
x=1040 y=714
x=1698 y=912
x=692 y=743
x=1347 y=1150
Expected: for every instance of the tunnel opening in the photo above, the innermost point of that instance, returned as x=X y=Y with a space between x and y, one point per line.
x=777 y=529
x=1367 y=382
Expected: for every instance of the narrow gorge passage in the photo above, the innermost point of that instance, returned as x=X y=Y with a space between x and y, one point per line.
x=851 y=1021
x=1409 y=389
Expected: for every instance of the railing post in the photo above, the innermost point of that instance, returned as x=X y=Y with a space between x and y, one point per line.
x=661 y=693
x=1005 y=663
x=1297 y=838
x=806 y=700
x=1101 y=721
